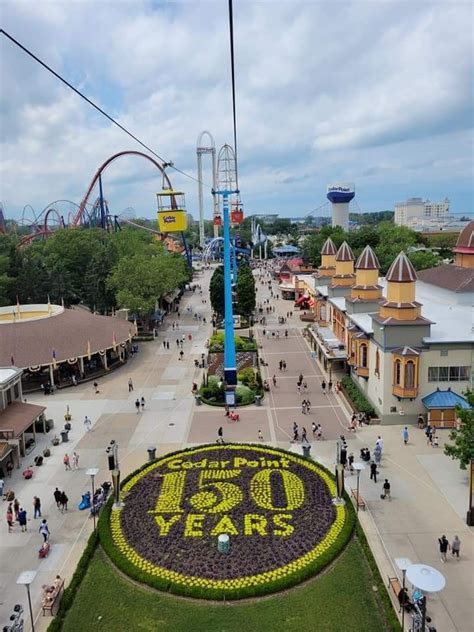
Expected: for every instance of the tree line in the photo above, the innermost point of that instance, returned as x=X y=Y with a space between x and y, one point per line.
x=129 y=268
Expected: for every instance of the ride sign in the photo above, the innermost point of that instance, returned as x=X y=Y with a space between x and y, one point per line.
x=275 y=506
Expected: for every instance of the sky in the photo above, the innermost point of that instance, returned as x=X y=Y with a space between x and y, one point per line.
x=376 y=93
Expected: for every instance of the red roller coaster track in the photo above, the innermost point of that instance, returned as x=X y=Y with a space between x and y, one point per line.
x=78 y=217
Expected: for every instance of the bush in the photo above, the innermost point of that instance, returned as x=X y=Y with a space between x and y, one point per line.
x=244 y=395
x=359 y=400
x=246 y=375
x=217 y=341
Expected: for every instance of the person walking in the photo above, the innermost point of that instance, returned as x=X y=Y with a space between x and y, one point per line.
x=67 y=462
x=443 y=547
x=10 y=518
x=16 y=507
x=298 y=388
x=314 y=428
x=130 y=385
x=44 y=530
x=308 y=406
x=386 y=490
x=57 y=497
x=220 y=435
x=36 y=507
x=350 y=460
x=22 y=519
x=137 y=405
x=319 y=432
x=304 y=437
x=274 y=380
x=177 y=340
x=142 y=403
x=330 y=386
x=96 y=388
x=164 y=344
x=260 y=435
x=377 y=454
x=323 y=386
x=167 y=345
x=295 y=431
x=75 y=461
x=280 y=365
x=373 y=471
x=64 y=501
x=456 y=547
x=2 y=487
x=303 y=407
x=181 y=354
x=87 y=423
x=405 y=435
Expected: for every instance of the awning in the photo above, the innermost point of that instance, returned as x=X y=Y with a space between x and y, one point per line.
x=5 y=449
x=302 y=299
x=18 y=417
x=444 y=399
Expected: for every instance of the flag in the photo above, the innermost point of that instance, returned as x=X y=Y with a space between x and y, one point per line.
x=18 y=304
x=12 y=360
x=114 y=342
x=88 y=349
x=54 y=358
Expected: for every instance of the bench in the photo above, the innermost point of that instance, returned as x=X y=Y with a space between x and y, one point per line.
x=50 y=599
x=358 y=498
x=395 y=586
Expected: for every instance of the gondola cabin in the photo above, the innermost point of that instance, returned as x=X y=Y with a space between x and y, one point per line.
x=172 y=216
x=236 y=213
x=217 y=220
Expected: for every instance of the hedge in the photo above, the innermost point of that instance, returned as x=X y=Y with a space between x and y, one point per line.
x=360 y=401
x=69 y=594
x=277 y=585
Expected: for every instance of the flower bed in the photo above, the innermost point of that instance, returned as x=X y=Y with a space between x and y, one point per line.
x=275 y=506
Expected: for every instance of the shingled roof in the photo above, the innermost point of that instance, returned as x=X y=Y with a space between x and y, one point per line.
x=401 y=270
x=449 y=277
x=329 y=247
x=345 y=253
x=367 y=260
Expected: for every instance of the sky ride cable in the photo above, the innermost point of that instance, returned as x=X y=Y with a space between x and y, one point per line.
x=99 y=109
x=231 y=33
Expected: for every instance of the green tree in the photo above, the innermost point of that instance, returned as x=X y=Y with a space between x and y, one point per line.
x=216 y=291
x=462 y=447
x=423 y=259
x=245 y=289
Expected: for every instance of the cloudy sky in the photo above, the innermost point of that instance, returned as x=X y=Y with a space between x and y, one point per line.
x=378 y=93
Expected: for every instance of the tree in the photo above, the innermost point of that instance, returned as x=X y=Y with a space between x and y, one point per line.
x=463 y=446
x=245 y=289
x=216 y=291
x=423 y=259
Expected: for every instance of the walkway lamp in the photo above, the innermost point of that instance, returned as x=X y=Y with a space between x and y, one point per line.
x=403 y=563
x=26 y=578
x=358 y=468
x=92 y=472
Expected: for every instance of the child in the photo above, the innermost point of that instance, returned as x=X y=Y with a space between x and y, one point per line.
x=260 y=435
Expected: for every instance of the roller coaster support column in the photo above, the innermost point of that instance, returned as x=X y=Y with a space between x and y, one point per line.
x=103 y=217
x=230 y=365
x=234 y=261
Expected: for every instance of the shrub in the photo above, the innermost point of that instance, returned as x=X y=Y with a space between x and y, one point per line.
x=244 y=395
x=246 y=375
x=360 y=401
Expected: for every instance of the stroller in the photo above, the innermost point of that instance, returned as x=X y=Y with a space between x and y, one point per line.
x=85 y=502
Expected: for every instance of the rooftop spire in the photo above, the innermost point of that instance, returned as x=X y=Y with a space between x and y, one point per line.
x=328 y=247
x=367 y=260
x=345 y=253
x=401 y=270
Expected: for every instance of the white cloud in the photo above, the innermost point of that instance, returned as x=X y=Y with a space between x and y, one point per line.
x=325 y=91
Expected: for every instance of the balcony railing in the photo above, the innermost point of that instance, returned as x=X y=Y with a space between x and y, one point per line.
x=404 y=392
x=362 y=371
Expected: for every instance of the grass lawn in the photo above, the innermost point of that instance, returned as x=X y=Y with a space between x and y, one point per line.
x=341 y=599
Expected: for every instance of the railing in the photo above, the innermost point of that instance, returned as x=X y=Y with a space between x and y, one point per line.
x=362 y=371
x=401 y=391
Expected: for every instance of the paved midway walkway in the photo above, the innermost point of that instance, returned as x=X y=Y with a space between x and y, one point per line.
x=429 y=491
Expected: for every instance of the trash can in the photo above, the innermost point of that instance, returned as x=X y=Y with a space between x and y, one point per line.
x=306 y=450
x=258 y=400
x=197 y=399
x=64 y=436
x=223 y=543
x=151 y=454
x=67 y=426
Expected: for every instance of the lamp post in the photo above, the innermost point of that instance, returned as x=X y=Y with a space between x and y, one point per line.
x=427 y=579
x=358 y=468
x=92 y=472
x=403 y=563
x=26 y=578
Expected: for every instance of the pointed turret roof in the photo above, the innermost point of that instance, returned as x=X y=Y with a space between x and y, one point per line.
x=401 y=270
x=345 y=253
x=328 y=247
x=367 y=260
x=465 y=242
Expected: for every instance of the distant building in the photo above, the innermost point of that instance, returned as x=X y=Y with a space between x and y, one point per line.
x=415 y=210
x=266 y=218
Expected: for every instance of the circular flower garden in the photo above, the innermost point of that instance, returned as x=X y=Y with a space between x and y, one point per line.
x=276 y=508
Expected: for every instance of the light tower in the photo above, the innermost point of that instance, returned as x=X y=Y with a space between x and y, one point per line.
x=201 y=149
x=227 y=183
x=340 y=194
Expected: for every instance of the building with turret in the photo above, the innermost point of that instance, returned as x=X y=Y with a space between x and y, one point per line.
x=406 y=339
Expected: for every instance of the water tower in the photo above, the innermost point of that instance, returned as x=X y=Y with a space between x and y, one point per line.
x=340 y=194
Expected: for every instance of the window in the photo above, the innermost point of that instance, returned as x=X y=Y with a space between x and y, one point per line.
x=363 y=355
x=410 y=375
x=377 y=362
x=397 y=372
x=449 y=373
